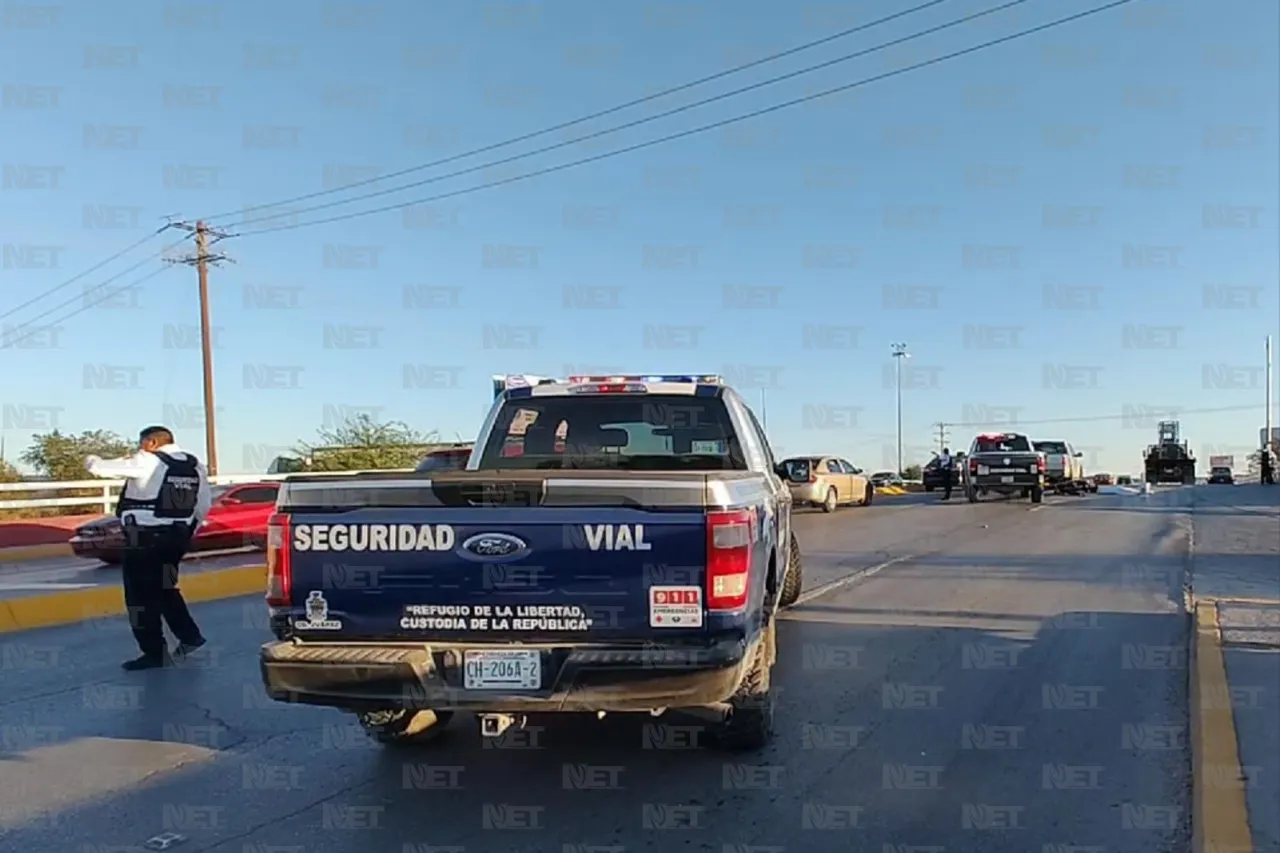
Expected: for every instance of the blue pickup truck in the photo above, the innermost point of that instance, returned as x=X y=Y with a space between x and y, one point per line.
x=615 y=544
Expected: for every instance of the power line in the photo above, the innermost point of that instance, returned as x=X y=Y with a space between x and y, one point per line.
x=591 y=117
x=697 y=130
x=126 y=250
x=771 y=81
x=10 y=341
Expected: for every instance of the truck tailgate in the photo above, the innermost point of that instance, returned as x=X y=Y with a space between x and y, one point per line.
x=491 y=574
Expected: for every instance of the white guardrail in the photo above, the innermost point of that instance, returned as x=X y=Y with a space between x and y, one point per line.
x=108 y=490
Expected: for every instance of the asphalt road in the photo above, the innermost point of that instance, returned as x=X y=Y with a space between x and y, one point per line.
x=1012 y=681
x=1237 y=556
x=65 y=574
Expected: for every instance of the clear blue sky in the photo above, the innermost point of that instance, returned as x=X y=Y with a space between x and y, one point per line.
x=1125 y=125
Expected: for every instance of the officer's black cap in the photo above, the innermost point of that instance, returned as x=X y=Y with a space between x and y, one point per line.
x=149 y=432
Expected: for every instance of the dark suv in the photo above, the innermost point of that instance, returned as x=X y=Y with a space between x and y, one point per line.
x=1221 y=476
x=933 y=476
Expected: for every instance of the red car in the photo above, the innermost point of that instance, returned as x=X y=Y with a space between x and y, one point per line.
x=237 y=519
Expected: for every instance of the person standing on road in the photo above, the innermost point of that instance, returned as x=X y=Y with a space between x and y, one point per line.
x=946 y=465
x=165 y=497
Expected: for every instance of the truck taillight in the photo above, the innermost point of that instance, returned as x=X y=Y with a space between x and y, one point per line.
x=729 y=541
x=973 y=466
x=279 y=575
x=1040 y=464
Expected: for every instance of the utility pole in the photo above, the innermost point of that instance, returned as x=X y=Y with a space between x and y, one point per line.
x=201 y=260
x=942 y=435
x=1266 y=434
x=899 y=353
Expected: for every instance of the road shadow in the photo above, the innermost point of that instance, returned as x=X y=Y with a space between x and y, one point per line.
x=885 y=732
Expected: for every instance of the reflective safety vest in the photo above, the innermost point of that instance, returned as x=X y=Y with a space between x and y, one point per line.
x=178 y=495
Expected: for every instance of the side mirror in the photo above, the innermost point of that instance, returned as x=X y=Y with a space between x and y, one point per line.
x=781 y=470
x=857 y=470
x=1078 y=455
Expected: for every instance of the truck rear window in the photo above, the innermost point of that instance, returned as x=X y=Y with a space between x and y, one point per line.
x=1051 y=446
x=639 y=432
x=453 y=460
x=1003 y=444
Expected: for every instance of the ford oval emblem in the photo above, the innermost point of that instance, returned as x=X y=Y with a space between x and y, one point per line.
x=494 y=547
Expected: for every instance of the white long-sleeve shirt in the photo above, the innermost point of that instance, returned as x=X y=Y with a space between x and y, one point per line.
x=143 y=473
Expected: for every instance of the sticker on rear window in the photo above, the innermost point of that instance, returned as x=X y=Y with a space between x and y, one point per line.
x=675 y=607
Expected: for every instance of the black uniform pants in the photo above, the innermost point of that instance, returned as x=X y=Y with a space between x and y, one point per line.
x=150 y=568
x=946 y=481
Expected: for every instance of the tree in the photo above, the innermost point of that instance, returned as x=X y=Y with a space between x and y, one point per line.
x=913 y=472
x=9 y=474
x=61 y=457
x=363 y=444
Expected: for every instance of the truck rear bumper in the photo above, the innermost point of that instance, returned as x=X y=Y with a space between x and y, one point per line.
x=996 y=482
x=368 y=677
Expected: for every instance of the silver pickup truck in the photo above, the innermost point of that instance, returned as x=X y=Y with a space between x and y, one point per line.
x=1064 y=470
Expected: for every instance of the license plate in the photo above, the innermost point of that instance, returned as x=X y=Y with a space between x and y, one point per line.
x=502 y=670
x=983 y=469
x=1006 y=479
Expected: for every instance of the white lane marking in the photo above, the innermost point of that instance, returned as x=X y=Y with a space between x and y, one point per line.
x=838 y=583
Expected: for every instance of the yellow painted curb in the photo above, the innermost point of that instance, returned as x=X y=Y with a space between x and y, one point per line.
x=34 y=552
x=1220 y=817
x=67 y=608
x=891 y=490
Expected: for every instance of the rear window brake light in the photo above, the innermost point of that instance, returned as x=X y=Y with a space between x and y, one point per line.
x=610 y=388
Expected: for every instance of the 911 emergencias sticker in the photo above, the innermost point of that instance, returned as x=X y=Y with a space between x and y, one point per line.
x=675 y=607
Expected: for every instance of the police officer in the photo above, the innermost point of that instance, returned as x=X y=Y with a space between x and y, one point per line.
x=165 y=497
x=945 y=465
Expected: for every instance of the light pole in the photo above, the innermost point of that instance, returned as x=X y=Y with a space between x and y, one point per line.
x=899 y=353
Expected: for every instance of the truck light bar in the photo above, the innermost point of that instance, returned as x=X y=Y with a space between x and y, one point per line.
x=707 y=379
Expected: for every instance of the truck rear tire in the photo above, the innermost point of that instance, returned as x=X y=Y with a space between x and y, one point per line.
x=750 y=724
x=972 y=494
x=1037 y=495
x=794 y=579
x=400 y=727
